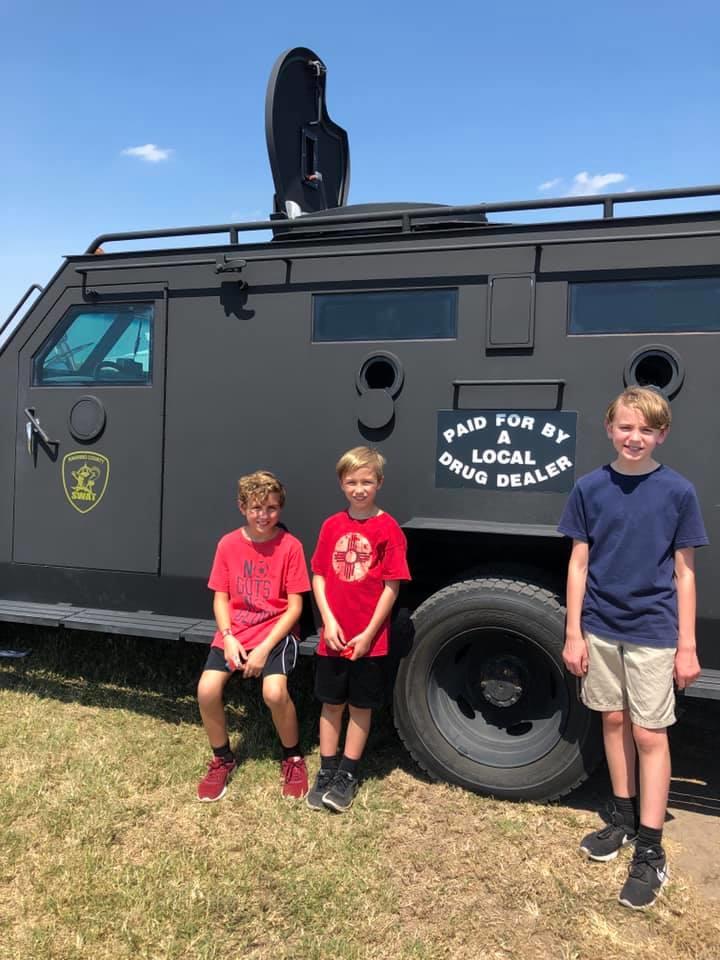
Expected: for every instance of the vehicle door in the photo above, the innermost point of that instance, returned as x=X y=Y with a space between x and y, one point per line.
x=90 y=420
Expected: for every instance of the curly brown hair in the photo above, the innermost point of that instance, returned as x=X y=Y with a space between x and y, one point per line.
x=258 y=486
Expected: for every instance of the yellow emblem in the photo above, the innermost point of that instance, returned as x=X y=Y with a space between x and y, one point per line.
x=85 y=478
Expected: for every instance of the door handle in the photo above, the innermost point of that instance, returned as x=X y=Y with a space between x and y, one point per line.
x=33 y=426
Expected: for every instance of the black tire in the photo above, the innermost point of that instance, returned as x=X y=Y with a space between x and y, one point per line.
x=482 y=699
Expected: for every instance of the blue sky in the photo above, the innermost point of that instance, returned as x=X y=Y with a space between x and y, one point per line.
x=454 y=102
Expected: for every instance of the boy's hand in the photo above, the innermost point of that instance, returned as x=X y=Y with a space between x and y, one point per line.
x=333 y=636
x=575 y=654
x=686 y=669
x=235 y=653
x=255 y=662
x=359 y=646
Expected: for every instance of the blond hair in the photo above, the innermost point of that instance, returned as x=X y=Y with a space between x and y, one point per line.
x=259 y=486
x=361 y=457
x=650 y=403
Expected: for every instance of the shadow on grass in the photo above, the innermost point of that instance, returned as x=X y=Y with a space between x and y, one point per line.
x=159 y=679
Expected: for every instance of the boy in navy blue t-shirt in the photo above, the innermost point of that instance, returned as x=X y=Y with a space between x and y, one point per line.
x=631 y=624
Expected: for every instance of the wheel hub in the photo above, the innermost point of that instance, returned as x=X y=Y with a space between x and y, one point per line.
x=503 y=680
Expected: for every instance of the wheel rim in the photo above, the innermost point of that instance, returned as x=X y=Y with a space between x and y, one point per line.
x=497 y=697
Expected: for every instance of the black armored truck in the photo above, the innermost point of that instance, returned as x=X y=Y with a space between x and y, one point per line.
x=476 y=352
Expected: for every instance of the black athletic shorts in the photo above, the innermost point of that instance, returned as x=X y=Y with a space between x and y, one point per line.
x=282 y=659
x=361 y=683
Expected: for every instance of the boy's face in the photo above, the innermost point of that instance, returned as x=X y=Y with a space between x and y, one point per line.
x=633 y=439
x=360 y=488
x=262 y=516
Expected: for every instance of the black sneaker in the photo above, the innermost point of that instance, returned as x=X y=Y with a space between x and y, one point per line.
x=342 y=791
x=603 y=845
x=318 y=790
x=647 y=876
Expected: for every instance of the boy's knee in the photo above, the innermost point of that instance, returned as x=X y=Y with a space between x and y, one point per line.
x=275 y=694
x=209 y=691
x=360 y=713
x=333 y=709
x=615 y=719
x=647 y=739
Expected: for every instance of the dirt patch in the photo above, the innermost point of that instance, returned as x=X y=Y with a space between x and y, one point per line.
x=694 y=807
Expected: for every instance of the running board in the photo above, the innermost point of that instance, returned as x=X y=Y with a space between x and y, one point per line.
x=707 y=686
x=145 y=623
x=140 y=623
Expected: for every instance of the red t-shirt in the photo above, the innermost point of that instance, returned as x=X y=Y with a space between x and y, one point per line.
x=356 y=557
x=258 y=578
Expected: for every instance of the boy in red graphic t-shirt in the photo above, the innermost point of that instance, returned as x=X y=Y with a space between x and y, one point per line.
x=359 y=561
x=259 y=576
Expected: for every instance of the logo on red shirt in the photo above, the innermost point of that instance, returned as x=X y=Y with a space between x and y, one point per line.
x=352 y=557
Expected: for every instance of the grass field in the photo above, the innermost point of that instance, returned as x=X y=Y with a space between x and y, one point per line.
x=105 y=853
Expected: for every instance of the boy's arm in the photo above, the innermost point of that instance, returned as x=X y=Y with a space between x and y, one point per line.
x=687 y=667
x=234 y=650
x=363 y=641
x=257 y=658
x=575 y=654
x=332 y=634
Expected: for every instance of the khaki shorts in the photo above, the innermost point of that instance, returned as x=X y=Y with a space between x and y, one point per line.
x=633 y=677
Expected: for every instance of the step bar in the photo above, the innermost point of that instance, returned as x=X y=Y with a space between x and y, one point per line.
x=145 y=623
x=138 y=623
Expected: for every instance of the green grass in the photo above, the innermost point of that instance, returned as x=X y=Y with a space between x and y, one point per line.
x=105 y=853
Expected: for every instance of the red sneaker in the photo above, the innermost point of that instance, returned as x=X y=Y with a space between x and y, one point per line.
x=294 y=777
x=213 y=785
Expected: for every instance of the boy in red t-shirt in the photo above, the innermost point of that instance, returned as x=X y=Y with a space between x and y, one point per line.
x=359 y=561
x=259 y=575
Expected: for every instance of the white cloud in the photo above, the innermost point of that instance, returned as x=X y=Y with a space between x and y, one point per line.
x=587 y=184
x=549 y=184
x=148 y=152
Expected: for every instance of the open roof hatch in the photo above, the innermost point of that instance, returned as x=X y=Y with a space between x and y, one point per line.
x=309 y=154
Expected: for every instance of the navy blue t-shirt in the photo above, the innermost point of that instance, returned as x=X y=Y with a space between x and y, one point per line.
x=633 y=525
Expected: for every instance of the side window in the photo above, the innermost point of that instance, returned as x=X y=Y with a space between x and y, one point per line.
x=108 y=344
x=385 y=315
x=672 y=305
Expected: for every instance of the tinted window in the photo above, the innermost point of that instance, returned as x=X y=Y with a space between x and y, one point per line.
x=109 y=344
x=645 y=306
x=385 y=315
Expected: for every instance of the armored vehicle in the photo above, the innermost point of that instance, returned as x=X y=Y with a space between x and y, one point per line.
x=478 y=354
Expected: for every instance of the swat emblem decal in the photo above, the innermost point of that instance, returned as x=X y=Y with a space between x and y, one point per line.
x=531 y=450
x=85 y=478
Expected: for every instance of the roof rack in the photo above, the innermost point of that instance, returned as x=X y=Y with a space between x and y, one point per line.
x=405 y=217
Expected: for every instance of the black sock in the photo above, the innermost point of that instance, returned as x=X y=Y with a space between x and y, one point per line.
x=627 y=807
x=648 y=837
x=224 y=752
x=348 y=766
x=291 y=751
x=330 y=762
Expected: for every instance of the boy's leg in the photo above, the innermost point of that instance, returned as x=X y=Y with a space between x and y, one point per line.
x=367 y=689
x=356 y=736
x=603 y=690
x=620 y=752
x=212 y=709
x=211 y=687
x=331 y=689
x=331 y=718
x=277 y=698
x=652 y=709
x=654 y=761
x=282 y=709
